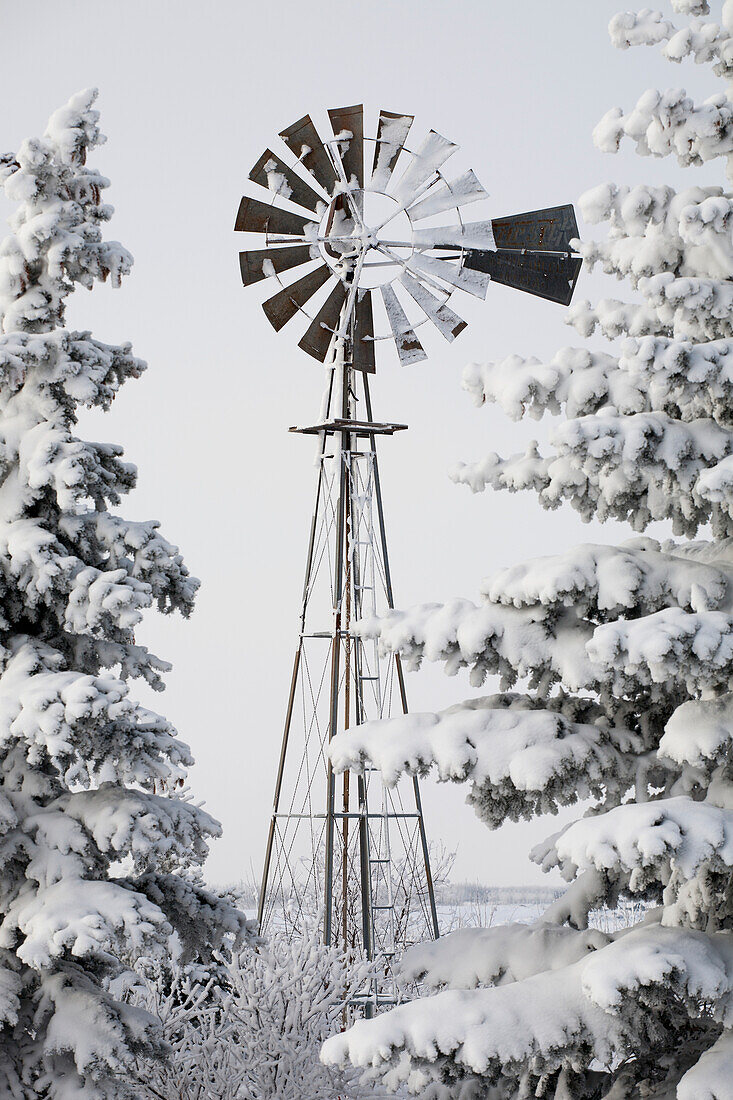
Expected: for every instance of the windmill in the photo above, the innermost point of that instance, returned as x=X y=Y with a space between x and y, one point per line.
x=373 y=232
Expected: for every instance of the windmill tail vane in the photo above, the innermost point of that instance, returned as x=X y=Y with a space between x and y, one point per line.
x=367 y=240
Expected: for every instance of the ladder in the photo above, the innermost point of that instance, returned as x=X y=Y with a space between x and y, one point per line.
x=363 y=551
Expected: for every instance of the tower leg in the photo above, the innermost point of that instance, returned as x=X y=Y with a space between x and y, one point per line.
x=265 y=882
x=400 y=672
x=278 y=789
x=341 y=367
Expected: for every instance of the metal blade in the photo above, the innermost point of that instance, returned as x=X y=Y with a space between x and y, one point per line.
x=317 y=339
x=448 y=323
x=363 y=352
x=469 y=235
x=391 y=136
x=433 y=152
x=547 y=276
x=472 y=281
x=274 y=174
x=446 y=196
x=351 y=149
x=409 y=348
x=286 y=303
x=258 y=217
x=301 y=134
x=549 y=230
x=261 y=263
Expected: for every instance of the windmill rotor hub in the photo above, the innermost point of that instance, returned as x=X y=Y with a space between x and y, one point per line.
x=351 y=236
x=386 y=229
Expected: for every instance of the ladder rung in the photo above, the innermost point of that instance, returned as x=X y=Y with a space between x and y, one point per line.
x=383 y=907
x=364 y=678
x=379 y=861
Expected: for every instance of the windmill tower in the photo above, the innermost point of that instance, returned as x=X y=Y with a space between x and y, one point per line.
x=371 y=234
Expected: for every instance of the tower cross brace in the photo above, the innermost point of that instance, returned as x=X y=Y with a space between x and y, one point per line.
x=356 y=851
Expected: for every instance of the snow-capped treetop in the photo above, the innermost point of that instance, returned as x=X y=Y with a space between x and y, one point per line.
x=57 y=236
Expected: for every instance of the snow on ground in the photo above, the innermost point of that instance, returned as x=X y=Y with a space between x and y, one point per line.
x=472 y=905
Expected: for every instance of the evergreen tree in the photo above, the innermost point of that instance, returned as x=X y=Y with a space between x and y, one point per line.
x=95 y=866
x=621 y=658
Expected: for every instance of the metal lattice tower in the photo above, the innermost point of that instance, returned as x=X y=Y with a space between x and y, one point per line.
x=346 y=843
x=347 y=847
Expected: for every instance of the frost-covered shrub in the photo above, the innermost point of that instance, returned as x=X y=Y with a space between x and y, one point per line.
x=98 y=840
x=615 y=662
x=254 y=1033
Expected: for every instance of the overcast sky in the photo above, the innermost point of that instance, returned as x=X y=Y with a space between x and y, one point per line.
x=190 y=94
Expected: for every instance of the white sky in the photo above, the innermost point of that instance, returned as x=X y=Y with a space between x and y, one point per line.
x=191 y=94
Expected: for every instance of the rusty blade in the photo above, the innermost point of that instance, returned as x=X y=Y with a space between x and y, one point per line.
x=351 y=149
x=286 y=303
x=258 y=217
x=448 y=323
x=363 y=352
x=317 y=339
x=549 y=230
x=261 y=263
x=274 y=174
x=409 y=348
x=391 y=136
x=303 y=134
x=446 y=196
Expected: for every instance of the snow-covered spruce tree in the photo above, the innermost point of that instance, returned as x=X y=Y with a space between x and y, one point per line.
x=95 y=867
x=621 y=661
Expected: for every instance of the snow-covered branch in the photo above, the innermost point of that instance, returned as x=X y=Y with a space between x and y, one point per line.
x=520 y=759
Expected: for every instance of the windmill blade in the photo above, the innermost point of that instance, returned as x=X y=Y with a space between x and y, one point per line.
x=433 y=152
x=447 y=196
x=351 y=149
x=363 y=350
x=468 y=235
x=303 y=134
x=409 y=348
x=317 y=339
x=549 y=230
x=286 y=303
x=262 y=263
x=448 y=323
x=258 y=217
x=545 y=275
x=472 y=281
x=391 y=136
x=274 y=174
